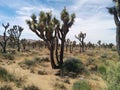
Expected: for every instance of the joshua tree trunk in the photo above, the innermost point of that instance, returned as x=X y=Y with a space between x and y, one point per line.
x=62 y=52
x=18 y=45
x=118 y=39
x=117 y=22
x=52 y=59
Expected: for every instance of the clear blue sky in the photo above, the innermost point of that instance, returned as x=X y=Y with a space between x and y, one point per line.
x=92 y=16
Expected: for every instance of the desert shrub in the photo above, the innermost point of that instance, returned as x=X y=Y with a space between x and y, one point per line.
x=113 y=49
x=113 y=77
x=34 y=61
x=31 y=87
x=81 y=85
x=5 y=75
x=6 y=87
x=58 y=86
x=72 y=65
x=29 y=62
x=102 y=70
x=9 y=56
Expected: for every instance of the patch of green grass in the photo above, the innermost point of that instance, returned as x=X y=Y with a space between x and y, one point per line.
x=102 y=70
x=81 y=85
x=113 y=77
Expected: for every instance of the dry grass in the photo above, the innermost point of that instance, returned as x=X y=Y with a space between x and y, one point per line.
x=43 y=76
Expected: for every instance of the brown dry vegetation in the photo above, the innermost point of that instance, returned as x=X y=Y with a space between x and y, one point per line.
x=43 y=76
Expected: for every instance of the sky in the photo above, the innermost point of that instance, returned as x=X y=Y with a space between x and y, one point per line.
x=92 y=17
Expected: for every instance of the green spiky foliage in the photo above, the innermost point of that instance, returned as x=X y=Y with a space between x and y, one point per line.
x=48 y=28
x=4 y=41
x=113 y=12
x=15 y=34
x=81 y=36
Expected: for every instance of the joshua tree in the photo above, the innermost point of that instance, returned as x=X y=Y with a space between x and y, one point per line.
x=3 y=43
x=24 y=43
x=48 y=28
x=81 y=36
x=99 y=43
x=45 y=28
x=68 y=21
x=15 y=32
x=113 y=11
x=73 y=45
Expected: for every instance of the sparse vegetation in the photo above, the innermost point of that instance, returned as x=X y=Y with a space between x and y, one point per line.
x=59 y=86
x=81 y=85
x=6 y=87
x=5 y=75
x=30 y=87
x=9 y=56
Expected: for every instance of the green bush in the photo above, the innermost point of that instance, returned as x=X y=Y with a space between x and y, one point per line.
x=102 y=70
x=73 y=65
x=5 y=75
x=81 y=85
x=6 y=87
x=32 y=87
x=29 y=62
x=113 y=77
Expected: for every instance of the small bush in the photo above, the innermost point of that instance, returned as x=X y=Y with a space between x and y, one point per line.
x=59 y=86
x=34 y=61
x=29 y=62
x=81 y=85
x=72 y=65
x=113 y=77
x=6 y=87
x=102 y=70
x=5 y=75
x=113 y=49
x=32 y=87
x=9 y=56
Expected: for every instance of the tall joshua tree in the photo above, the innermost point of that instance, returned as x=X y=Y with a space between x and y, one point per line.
x=48 y=28
x=15 y=32
x=68 y=21
x=45 y=28
x=3 y=43
x=113 y=11
x=81 y=36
